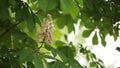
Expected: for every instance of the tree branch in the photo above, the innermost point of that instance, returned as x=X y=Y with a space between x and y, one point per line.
x=9 y=29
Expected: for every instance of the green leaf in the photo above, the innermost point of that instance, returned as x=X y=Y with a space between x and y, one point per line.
x=92 y=64
x=76 y=64
x=46 y=5
x=118 y=49
x=19 y=35
x=66 y=20
x=93 y=56
x=30 y=23
x=29 y=18
x=116 y=32
x=26 y=55
x=86 y=33
x=48 y=47
x=73 y=48
x=37 y=20
x=69 y=7
x=66 y=37
x=38 y=61
x=86 y=21
x=61 y=21
x=103 y=42
x=88 y=4
x=57 y=64
x=88 y=57
x=70 y=26
x=114 y=36
x=59 y=43
x=53 y=50
x=62 y=56
x=67 y=51
x=21 y=10
x=31 y=43
x=4 y=5
x=95 y=39
x=19 y=14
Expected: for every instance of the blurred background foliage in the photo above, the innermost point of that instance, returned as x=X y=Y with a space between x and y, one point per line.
x=21 y=24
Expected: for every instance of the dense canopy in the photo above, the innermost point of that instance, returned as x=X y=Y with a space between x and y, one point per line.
x=30 y=31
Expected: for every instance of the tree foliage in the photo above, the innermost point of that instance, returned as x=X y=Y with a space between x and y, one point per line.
x=26 y=31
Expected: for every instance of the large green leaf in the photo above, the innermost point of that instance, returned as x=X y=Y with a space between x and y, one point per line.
x=24 y=13
x=46 y=5
x=66 y=20
x=66 y=51
x=38 y=61
x=26 y=55
x=67 y=56
x=61 y=21
x=69 y=7
x=30 y=22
